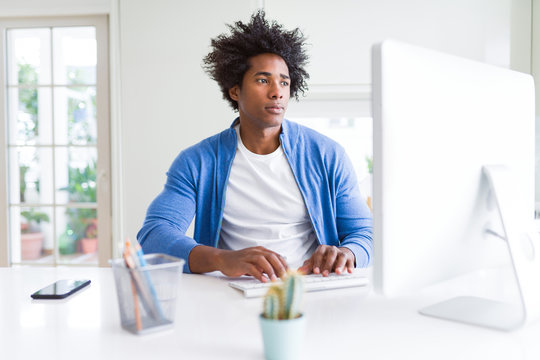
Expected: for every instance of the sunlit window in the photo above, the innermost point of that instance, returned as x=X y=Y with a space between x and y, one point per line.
x=52 y=144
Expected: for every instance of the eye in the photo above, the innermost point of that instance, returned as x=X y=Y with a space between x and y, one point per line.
x=262 y=81
x=285 y=83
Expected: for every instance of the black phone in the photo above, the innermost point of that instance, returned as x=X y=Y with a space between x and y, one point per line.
x=60 y=289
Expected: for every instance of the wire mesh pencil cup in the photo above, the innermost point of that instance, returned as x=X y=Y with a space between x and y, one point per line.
x=147 y=295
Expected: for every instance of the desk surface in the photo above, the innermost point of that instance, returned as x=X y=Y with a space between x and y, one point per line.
x=214 y=321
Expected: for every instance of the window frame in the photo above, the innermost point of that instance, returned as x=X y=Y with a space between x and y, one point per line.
x=100 y=22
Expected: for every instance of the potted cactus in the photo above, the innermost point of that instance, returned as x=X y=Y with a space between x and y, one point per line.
x=282 y=322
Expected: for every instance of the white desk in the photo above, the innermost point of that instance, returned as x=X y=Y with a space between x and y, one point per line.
x=214 y=321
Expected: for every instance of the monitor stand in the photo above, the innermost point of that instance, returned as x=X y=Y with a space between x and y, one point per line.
x=523 y=243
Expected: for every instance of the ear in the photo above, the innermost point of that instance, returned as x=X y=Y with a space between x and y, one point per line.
x=234 y=92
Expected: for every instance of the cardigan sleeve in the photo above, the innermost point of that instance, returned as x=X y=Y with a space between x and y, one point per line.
x=354 y=221
x=171 y=212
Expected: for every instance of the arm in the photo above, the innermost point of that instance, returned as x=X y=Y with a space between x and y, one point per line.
x=170 y=214
x=165 y=237
x=354 y=220
x=168 y=218
x=354 y=227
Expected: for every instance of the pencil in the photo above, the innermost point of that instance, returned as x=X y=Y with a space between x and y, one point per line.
x=129 y=263
x=150 y=304
x=138 y=322
x=138 y=253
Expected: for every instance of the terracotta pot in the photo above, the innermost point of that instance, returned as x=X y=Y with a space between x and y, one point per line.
x=31 y=245
x=89 y=245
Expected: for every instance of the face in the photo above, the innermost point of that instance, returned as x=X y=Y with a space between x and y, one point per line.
x=265 y=92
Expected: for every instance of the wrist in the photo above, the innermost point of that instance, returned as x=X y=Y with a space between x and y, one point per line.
x=217 y=258
x=204 y=259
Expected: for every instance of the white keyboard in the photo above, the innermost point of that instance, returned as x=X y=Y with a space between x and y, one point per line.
x=254 y=288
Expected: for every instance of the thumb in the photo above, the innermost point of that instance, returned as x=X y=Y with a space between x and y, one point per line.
x=306 y=267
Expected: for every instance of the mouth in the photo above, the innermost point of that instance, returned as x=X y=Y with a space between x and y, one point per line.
x=275 y=109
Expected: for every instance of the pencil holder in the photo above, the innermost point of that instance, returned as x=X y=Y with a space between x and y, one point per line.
x=147 y=295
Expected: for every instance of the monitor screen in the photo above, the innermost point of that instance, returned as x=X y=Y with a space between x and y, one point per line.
x=438 y=119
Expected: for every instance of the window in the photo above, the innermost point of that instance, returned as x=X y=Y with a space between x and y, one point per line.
x=56 y=146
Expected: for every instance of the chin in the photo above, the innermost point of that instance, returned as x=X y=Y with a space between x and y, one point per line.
x=274 y=120
x=274 y=123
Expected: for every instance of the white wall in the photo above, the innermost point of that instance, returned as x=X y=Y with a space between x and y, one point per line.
x=535 y=60
x=342 y=32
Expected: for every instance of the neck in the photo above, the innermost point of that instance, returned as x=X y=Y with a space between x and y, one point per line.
x=260 y=141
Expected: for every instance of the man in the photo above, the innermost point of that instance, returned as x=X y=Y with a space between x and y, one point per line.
x=266 y=193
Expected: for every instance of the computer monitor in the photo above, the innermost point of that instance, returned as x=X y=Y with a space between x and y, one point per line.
x=447 y=132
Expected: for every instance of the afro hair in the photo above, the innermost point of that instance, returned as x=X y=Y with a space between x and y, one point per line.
x=229 y=59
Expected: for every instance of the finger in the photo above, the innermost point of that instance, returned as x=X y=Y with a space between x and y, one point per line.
x=256 y=273
x=350 y=265
x=350 y=258
x=257 y=256
x=341 y=262
x=262 y=262
x=262 y=249
x=282 y=260
x=278 y=263
x=329 y=260
x=306 y=267
x=317 y=259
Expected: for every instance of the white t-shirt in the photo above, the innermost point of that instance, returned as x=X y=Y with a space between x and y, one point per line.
x=264 y=207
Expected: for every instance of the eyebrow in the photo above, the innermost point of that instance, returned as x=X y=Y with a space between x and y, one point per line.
x=265 y=73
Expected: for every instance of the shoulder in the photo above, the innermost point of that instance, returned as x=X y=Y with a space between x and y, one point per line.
x=206 y=151
x=300 y=135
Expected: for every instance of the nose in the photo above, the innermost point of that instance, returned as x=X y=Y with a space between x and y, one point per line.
x=275 y=91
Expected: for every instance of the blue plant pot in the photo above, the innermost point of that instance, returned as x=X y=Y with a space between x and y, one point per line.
x=283 y=339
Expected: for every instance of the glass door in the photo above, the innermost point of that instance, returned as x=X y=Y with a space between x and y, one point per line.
x=54 y=152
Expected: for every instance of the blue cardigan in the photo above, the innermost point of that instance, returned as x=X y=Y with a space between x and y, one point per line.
x=197 y=180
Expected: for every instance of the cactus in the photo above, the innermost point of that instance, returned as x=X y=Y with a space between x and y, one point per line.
x=293 y=289
x=272 y=302
x=282 y=301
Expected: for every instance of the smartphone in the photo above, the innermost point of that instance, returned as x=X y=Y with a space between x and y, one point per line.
x=60 y=289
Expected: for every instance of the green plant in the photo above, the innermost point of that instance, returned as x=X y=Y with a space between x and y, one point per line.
x=82 y=183
x=283 y=300
x=28 y=104
x=33 y=219
x=23 y=169
x=28 y=99
x=81 y=221
x=369 y=160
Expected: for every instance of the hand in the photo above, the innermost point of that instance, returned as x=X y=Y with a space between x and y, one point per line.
x=254 y=261
x=327 y=259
